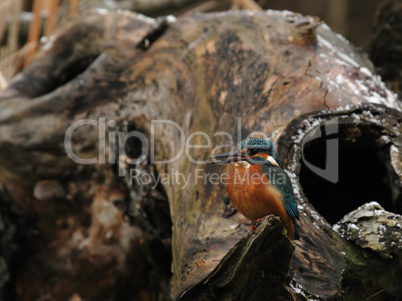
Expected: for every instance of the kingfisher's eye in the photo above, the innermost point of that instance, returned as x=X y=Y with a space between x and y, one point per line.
x=252 y=151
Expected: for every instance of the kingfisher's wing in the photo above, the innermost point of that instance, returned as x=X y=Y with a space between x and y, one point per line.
x=280 y=179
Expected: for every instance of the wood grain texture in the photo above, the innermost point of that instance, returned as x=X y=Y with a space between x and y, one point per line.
x=280 y=72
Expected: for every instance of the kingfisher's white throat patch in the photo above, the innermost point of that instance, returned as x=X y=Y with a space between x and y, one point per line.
x=245 y=164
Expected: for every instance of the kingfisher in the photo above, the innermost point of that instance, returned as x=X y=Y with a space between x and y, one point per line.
x=257 y=186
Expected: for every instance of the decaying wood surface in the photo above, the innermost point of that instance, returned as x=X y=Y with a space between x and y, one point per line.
x=245 y=265
x=101 y=236
x=385 y=49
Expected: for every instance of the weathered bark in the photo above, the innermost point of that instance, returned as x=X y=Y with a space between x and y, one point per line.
x=365 y=127
x=374 y=230
x=246 y=264
x=281 y=73
x=86 y=226
x=385 y=46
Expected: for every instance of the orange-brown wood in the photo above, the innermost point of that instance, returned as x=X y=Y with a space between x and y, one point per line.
x=253 y=196
x=51 y=19
x=34 y=32
x=73 y=8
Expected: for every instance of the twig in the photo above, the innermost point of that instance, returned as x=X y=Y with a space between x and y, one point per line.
x=34 y=31
x=51 y=19
x=246 y=4
x=19 y=53
x=3 y=82
x=73 y=8
x=376 y=294
x=204 y=6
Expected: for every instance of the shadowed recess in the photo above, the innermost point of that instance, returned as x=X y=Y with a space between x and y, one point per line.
x=365 y=172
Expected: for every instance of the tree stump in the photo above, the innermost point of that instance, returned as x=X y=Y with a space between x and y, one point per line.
x=99 y=233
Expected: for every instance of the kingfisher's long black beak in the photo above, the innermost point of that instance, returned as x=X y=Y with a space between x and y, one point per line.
x=233 y=156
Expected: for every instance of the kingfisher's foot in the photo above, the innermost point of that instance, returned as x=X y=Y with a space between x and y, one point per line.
x=253 y=225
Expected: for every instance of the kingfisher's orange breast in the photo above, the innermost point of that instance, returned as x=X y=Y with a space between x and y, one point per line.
x=253 y=196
